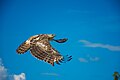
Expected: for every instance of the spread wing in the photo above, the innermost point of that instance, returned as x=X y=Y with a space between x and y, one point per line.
x=41 y=49
x=24 y=47
x=44 y=51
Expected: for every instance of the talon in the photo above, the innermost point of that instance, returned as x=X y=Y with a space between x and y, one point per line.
x=69 y=59
x=61 y=61
x=58 y=63
x=69 y=56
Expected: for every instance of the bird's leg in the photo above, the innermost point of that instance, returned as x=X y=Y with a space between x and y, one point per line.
x=60 y=40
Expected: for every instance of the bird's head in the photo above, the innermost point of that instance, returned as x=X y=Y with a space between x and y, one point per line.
x=50 y=36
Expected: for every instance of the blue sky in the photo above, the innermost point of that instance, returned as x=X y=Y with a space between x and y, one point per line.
x=91 y=26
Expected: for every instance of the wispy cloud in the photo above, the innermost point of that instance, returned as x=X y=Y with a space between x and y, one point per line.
x=50 y=74
x=100 y=45
x=93 y=59
x=83 y=60
x=5 y=76
x=88 y=58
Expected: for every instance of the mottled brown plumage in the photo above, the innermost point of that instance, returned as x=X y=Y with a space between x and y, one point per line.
x=40 y=47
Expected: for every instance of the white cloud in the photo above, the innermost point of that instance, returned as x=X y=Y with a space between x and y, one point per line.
x=5 y=76
x=93 y=58
x=100 y=45
x=83 y=60
x=50 y=74
x=3 y=71
x=19 y=77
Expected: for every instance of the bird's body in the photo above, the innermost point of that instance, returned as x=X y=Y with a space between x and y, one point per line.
x=40 y=47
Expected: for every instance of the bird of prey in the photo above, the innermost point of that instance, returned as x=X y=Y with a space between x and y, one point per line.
x=40 y=47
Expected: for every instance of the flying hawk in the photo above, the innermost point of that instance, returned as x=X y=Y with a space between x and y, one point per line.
x=40 y=47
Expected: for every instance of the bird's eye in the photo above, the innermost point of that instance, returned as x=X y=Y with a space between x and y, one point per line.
x=53 y=35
